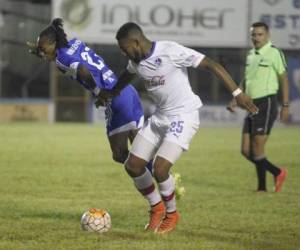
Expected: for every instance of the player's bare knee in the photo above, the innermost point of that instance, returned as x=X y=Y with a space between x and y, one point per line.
x=120 y=156
x=157 y=174
x=117 y=158
x=245 y=153
x=160 y=173
x=257 y=152
x=129 y=169
x=133 y=168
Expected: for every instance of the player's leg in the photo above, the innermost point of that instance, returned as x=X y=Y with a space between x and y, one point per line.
x=179 y=188
x=167 y=155
x=132 y=135
x=253 y=124
x=246 y=146
x=123 y=119
x=262 y=126
x=119 y=146
x=246 y=141
x=246 y=150
x=257 y=149
x=180 y=132
x=261 y=160
x=142 y=151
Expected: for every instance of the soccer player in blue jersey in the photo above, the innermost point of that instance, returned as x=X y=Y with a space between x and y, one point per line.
x=124 y=113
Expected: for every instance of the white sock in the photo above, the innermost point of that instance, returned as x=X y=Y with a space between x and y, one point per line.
x=146 y=187
x=167 y=191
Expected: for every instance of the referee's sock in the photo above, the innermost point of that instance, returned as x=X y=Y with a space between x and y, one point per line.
x=263 y=162
x=261 y=177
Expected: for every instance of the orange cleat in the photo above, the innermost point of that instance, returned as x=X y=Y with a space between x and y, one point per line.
x=168 y=224
x=157 y=213
x=280 y=179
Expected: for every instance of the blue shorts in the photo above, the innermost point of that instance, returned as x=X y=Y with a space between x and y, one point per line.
x=124 y=112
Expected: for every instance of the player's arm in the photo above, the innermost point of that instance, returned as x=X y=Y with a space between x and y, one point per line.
x=83 y=74
x=242 y=100
x=280 y=66
x=232 y=104
x=122 y=82
x=284 y=83
x=124 y=79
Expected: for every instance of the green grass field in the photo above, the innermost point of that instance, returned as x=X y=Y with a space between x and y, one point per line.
x=50 y=174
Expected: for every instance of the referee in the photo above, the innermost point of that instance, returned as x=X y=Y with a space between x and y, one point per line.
x=266 y=71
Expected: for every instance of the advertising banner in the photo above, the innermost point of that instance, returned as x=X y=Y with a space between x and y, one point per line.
x=26 y=110
x=294 y=84
x=209 y=23
x=283 y=18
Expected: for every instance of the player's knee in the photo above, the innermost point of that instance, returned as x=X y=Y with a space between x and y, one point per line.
x=245 y=153
x=157 y=174
x=133 y=168
x=160 y=174
x=258 y=152
x=120 y=156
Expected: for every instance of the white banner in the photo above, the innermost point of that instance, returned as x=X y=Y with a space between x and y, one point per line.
x=283 y=18
x=209 y=23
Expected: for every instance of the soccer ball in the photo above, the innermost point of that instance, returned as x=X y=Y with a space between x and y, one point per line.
x=96 y=220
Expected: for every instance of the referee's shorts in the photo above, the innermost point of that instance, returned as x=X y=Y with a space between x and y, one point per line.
x=262 y=123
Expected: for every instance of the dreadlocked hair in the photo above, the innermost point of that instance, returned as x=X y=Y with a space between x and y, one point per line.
x=55 y=33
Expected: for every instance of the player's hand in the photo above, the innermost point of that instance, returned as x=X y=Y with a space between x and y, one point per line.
x=33 y=49
x=245 y=102
x=103 y=97
x=284 y=114
x=106 y=93
x=100 y=102
x=232 y=105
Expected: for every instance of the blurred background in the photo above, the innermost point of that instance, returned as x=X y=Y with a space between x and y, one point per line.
x=33 y=90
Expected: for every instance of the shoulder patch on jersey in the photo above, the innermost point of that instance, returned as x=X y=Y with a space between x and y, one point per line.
x=73 y=47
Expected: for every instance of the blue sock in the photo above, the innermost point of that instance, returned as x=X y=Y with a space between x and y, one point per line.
x=150 y=167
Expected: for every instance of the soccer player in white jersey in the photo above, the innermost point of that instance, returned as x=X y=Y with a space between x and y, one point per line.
x=167 y=133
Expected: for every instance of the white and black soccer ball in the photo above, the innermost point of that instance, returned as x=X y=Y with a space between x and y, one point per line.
x=96 y=220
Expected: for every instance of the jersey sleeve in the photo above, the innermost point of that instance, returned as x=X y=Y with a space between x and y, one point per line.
x=68 y=64
x=131 y=68
x=279 y=63
x=185 y=57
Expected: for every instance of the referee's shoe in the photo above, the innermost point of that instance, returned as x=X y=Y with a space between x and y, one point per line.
x=279 y=179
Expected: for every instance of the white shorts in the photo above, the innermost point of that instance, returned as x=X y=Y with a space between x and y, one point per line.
x=160 y=129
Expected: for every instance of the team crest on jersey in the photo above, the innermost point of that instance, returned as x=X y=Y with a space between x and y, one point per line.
x=157 y=62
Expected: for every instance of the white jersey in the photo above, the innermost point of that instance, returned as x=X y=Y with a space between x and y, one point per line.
x=164 y=72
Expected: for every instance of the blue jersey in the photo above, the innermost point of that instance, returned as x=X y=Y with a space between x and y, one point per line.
x=124 y=112
x=77 y=53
